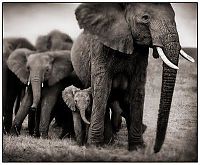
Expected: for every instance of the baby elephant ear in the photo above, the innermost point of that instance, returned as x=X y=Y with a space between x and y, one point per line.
x=89 y=90
x=68 y=96
x=107 y=22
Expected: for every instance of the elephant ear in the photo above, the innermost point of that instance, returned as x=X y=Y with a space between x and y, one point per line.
x=17 y=63
x=89 y=90
x=61 y=67
x=107 y=22
x=68 y=96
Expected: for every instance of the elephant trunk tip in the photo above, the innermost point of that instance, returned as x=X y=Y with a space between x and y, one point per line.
x=85 y=120
x=157 y=148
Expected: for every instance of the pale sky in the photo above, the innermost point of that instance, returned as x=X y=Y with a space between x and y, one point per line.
x=31 y=19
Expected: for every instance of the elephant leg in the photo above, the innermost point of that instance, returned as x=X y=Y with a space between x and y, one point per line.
x=116 y=118
x=37 y=123
x=58 y=119
x=101 y=84
x=48 y=101
x=135 y=138
x=5 y=97
x=8 y=115
x=108 y=132
x=135 y=102
x=17 y=104
x=126 y=115
x=16 y=108
x=78 y=127
x=135 y=132
x=23 y=110
x=13 y=89
x=31 y=121
x=8 y=112
x=20 y=96
x=67 y=124
x=86 y=132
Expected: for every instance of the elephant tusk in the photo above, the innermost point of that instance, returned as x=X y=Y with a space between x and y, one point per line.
x=165 y=60
x=186 y=56
x=42 y=85
x=29 y=81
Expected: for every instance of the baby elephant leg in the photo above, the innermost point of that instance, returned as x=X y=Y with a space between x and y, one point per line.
x=78 y=127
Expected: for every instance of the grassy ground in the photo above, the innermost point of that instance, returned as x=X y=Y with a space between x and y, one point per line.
x=181 y=138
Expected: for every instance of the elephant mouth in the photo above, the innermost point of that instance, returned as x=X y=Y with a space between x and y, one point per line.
x=158 y=52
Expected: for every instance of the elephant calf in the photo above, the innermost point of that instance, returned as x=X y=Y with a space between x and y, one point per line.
x=80 y=102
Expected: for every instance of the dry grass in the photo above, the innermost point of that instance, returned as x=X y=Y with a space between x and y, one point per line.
x=180 y=143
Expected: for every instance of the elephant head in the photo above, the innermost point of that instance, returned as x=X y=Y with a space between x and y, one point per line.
x=54 y=40
x=78 y=100
x=126 y=27
x=36 y=68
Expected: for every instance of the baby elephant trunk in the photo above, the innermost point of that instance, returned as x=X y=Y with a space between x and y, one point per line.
x=82 y=113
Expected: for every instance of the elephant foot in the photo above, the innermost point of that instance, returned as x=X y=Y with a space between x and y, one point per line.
x=136 y=146
x=30 y=133
x=95 y=144
x=44 y=135
x=36 y=134
x=92 y=146
x=15 y=130
x=79 y=143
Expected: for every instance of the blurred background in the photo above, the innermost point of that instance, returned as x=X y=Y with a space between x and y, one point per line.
x=32 y=19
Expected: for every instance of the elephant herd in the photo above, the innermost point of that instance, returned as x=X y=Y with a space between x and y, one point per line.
x=89 y=84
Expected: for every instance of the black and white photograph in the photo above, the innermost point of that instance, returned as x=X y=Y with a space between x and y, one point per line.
x=99 y=81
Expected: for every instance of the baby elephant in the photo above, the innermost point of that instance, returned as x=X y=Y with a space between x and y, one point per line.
x=80 y=102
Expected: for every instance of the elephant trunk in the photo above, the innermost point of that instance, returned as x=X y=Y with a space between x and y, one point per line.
x=82 y=113
x=171 y=50
x=36 y=88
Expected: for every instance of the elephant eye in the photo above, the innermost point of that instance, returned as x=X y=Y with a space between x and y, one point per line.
x=47 y=69
x=145 y=18
x=28 y=68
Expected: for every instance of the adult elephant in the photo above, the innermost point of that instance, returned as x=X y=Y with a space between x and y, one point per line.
x=116 y=40
x=12 y=87
x=54 y=40
x=46 y=72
